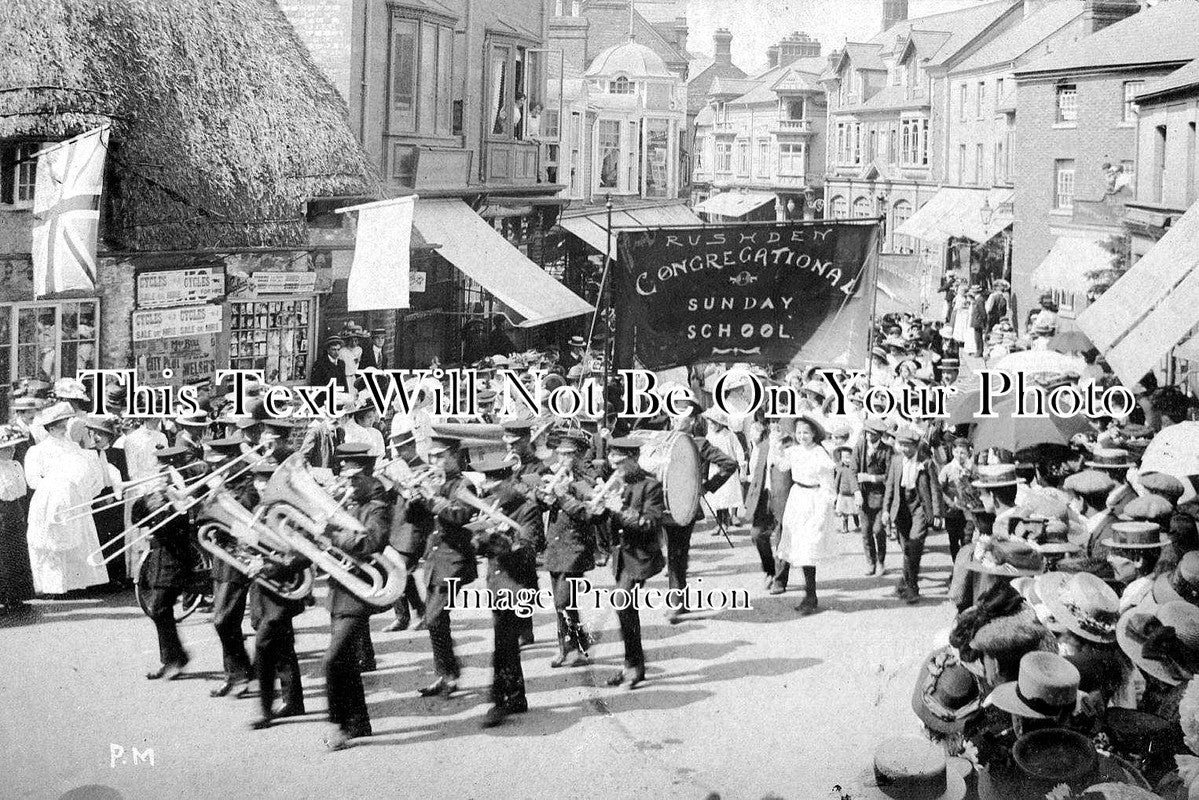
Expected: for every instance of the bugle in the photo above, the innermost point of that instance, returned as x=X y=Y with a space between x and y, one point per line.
x=222 y=516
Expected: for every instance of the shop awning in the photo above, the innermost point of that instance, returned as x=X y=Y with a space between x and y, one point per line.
x=590 y=227
x=1152 y=306
x=733 y=204
x=954 y=211
x=1067 y=265
x=476 y=248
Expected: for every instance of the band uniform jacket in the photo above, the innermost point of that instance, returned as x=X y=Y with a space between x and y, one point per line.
x=877 y=463
x=637 y=529
x=171 y=560
x=928 y=493
x=267 y=606
x=368 y=506
x=511 y=557
x=411 y=524
x=570 y=531
x=450 y=553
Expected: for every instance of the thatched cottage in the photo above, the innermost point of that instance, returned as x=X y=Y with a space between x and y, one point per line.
x=227 y=148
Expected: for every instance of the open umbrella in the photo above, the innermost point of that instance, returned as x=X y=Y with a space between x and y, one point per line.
x=1070 y=342
x=1031 y=361
x=1174 y=451
x=1007 y=432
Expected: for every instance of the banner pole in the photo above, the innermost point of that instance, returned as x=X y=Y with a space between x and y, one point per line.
x=599 y=299
x=878 y=254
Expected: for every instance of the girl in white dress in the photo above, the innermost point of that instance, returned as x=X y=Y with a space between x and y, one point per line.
x=808 y=518
x=726 y=501
x=62 y=475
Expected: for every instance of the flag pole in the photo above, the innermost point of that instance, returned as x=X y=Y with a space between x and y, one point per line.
x=65 y=142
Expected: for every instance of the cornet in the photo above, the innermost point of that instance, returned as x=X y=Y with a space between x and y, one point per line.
x=222 y=516
x=422 y=481
x=491 y=517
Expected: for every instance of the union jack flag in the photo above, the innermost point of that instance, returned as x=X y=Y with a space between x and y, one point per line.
x=66 y=207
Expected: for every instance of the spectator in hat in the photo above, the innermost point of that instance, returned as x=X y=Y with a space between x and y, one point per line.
x=375 y=355
x=22 y=411
x=361 y=426
x=997 y=302
x=961 y=499
x=1046 y=316
x=872 y=460
x=978 y=318
x=16 y=576
x=499 y=343
x=110 y=465
x=1090 y=489
x=913 y=505
x=330 y=366
x=411 y=525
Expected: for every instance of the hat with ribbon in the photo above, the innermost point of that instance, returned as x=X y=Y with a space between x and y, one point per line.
x=1111 y=458
x=993 y=476
x=1135 y=535
x=1053 y=540
x=194 y=419
x=577 y=341
x=11 y=436
x=573 y=440
x=946 y=693
x=1182 y=583
x=69 y=389
x=1162 y=640
x=1046 y=688
x=908 y=768
x=1083 y=603
x=25 y=403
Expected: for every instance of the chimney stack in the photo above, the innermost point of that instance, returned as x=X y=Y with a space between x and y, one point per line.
x=680 y=33
x=797 y=45
x=722 y=40
x=1098 y=14
x=772 y=56
x=894 y=11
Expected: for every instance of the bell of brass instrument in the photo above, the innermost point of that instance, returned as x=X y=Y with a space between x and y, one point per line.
x=422 y=481
x=604 y=492
x=301 y=512
x=490 y=516
x=222 y=514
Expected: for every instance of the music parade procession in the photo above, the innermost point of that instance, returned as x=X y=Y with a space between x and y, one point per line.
x=473 y=398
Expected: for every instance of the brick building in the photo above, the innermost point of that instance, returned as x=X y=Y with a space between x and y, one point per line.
x=207 y=184
x=461 y=102
x=1075 y=151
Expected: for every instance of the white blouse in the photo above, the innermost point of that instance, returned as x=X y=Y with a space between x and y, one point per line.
x=809 y=466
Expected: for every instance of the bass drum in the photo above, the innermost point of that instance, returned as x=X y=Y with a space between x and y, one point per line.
x=673 y=458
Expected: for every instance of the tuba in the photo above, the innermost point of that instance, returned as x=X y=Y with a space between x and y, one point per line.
x=222 y=516
x=300 y=512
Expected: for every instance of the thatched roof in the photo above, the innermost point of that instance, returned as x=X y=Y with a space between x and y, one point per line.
x=222 y=124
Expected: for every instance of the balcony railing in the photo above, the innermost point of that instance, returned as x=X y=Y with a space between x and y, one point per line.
x=794 y=126
x=725 y=127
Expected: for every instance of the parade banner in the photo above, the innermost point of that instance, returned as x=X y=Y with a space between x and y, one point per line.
x=799 y=292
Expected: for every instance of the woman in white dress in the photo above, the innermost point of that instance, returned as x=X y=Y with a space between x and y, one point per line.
x=808 y=518
x=961 y=317
x=62 y=475
x=726 y=501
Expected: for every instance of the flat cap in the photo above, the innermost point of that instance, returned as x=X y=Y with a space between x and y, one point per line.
x=1089 y=481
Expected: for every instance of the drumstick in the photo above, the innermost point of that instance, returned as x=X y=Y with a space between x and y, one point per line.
x=719 y=524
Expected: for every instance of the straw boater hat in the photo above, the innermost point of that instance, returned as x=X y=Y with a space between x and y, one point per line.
x=1180 y=584
x=1083 y=603
x=1111 y=458
x=196 y=419
x=993 y=476
x=11 y=436
x=1162 y=640
x=1135 y=535
x=946 y=693
x=1047 y=688
x=56 y=413
x=908 y=768
x=27 y=403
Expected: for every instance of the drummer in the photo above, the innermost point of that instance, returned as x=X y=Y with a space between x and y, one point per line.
x=678 y=532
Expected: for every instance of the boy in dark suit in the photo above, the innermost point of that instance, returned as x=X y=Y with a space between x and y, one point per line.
x=872 y=459
x=912 y=503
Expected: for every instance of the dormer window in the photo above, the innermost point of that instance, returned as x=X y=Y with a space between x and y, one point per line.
x=622 y=85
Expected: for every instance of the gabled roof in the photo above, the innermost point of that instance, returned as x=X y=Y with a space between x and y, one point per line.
x=963 y=26
x=889 y=98
x=1025 y=36
x=1167 y=33
x=731 y=87
x=862 y=55
x=924 y=44
x=1185 y=78
x=795 y=81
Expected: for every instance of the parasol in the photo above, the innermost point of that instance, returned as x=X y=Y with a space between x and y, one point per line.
x=1007 y=432
x=1031 y=361
x=1174 y=451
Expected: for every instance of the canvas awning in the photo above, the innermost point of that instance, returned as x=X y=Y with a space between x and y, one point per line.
x=590 y=227
x=1067 y=265
x=733 y=204
x=1152 y=306
x=476 y=248
x=954 y=211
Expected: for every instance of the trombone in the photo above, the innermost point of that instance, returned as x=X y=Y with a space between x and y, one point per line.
x=84 y=509
x=181 y=499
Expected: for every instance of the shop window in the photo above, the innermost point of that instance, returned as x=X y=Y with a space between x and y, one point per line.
x=273 y=336
x=422 y=76
x=48 y=341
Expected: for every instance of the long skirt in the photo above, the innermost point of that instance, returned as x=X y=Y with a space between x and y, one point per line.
x=808 y=525
x=16 y=577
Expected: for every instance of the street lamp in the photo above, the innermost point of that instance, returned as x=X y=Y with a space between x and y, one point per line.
x=986 y=212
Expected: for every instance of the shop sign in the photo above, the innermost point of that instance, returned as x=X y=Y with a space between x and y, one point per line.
x=171 y=322
x=180 y=287
x=183 y=359
x=283 y=282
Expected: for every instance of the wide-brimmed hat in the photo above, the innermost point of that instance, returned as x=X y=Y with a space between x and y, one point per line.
x=907 y=768
x=1083 y=603
x=70 y=389
x=1162 y=640
x=1009 y=558
x=817 y=428
x=1111 y=458
x=1181 y=583
x=11 y=436
x=993 y=476
x=946 y=693
x=55 y=413
x=1135 y=535
x=1046 y=688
